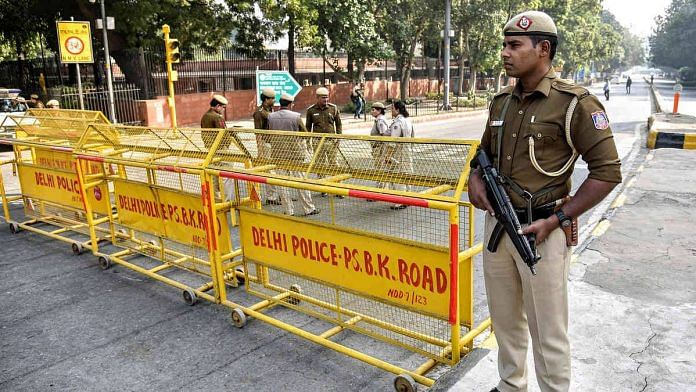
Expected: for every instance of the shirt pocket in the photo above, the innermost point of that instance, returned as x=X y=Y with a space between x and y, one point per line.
x=546 y=137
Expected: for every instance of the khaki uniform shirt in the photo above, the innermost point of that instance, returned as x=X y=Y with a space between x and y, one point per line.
x=261 y=117
x=541 y=116
x=288 y=148
x=212 y=119
x=324 y=120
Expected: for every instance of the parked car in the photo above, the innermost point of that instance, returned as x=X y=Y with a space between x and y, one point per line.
x=11 y=104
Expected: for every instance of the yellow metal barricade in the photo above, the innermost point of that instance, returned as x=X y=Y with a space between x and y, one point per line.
x=43 y=141
x=380 y=242
x=161 y=226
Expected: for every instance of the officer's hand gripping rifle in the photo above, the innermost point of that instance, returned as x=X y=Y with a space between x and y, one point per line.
x=505 y=214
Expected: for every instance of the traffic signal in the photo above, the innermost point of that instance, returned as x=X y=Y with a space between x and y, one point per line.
x=172 y=50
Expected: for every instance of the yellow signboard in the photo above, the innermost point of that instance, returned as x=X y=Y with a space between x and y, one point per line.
x=391 y=270
x=75 y=42
x=53 y=178
x=168 y=213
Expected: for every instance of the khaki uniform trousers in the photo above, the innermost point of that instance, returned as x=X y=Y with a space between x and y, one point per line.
x=304 y=195
x=264 y=152
x=522 y=304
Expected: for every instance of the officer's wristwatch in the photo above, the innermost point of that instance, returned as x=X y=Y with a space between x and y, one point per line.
x=563 y=219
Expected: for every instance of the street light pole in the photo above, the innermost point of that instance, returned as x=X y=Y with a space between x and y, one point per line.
x=112 y=109
x=446 y=50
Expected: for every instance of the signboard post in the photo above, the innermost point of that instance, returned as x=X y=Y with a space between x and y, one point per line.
x=75 y=46
x=280 y=81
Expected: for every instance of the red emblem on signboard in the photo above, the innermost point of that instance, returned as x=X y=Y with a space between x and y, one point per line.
x=524 y=23
x=97 y=193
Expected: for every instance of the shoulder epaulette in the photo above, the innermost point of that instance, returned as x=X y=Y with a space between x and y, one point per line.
x=567 y=86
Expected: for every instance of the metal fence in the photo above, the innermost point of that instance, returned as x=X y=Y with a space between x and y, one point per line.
x=97 y=98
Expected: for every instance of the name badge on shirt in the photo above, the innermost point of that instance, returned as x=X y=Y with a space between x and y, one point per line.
x=496 y=123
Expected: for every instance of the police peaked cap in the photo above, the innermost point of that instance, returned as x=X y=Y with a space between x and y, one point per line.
x=531 y=23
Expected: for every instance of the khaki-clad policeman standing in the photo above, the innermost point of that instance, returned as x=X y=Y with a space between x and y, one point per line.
x=292 y=150
x=262 y=141
x=213 y=119
x=526 y=138
x=324 y=117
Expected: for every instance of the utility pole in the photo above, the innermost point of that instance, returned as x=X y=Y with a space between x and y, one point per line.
x=446 y=50
x=107 y=63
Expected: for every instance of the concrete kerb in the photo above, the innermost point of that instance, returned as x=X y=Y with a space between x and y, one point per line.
x=669 y=130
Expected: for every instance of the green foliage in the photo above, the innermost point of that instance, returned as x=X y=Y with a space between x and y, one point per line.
x=687 y=74
x=673 y=42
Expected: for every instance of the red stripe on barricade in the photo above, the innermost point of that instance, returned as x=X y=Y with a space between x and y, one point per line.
x=409 y=201
x=174 y=169
x=210 y=229
x=454 y=272
x=90 y=158
x=246 y=177
x=64 y=149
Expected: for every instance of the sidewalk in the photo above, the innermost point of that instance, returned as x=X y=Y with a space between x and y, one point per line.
x=669 y=130
x=631 y=291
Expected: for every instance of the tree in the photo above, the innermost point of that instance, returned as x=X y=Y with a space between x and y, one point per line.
x=403 y=26
x=673 y=42
x=296 y=17
x=202 y=24
x=351 y=26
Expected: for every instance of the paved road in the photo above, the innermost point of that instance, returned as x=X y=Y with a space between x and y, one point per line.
x=67 y=325
x=687 y=100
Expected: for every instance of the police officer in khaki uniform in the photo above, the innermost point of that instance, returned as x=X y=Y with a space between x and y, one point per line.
x=292 y=151
x=213 y=118
x=262 y=142
x=536 y=131
x=35 y=102
x=324 y=117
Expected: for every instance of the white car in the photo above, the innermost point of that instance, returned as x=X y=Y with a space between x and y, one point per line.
x=9 y=109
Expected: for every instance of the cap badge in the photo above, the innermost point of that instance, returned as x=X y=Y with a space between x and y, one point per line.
x=524 y=23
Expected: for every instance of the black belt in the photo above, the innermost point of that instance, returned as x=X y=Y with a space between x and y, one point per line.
x=537 y=213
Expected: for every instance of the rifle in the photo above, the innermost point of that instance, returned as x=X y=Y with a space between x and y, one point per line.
x=505 y=214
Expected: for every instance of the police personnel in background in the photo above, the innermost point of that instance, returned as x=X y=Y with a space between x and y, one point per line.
x=262 y=142
x=324 y=117
x=35 y=102
x=398 y=155
x=213 y=118
x=526 y=139
x=290 y=150
x=379 y=128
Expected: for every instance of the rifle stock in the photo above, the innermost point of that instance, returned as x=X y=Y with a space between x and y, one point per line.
x=505 y=214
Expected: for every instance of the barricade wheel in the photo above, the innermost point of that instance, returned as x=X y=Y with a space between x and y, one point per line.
x=238 y=318
x=76 y=248
x=296 y=288
x=104 y=262
x=190 y=297
x=14 y=228
x=405 y=383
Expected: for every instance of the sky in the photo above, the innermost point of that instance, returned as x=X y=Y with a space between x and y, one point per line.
x=637 y=16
